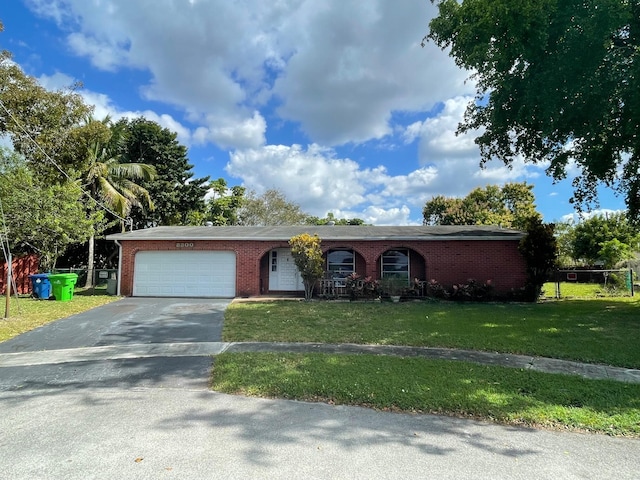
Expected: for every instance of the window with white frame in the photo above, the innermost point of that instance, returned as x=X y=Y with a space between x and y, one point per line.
x=395 y=263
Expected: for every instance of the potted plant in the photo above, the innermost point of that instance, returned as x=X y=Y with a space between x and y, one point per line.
x=394 y=287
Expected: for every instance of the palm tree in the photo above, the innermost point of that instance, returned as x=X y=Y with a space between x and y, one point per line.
x=113 y=184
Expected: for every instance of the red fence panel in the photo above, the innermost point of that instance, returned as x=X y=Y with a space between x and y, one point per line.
x=21 y=268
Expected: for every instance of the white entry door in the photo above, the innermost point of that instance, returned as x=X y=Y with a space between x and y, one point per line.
x=184 y=274
x=283 y=273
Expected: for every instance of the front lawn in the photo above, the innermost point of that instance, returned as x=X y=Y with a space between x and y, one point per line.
x=503 y=395
x=599 y=331
x=26 y=313
x=595 y=331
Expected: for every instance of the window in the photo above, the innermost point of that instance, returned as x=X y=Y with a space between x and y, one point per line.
x=274 y=261
x=395 y=263
x=340 y=263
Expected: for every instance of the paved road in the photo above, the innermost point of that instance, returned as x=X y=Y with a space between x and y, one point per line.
x=154 y=418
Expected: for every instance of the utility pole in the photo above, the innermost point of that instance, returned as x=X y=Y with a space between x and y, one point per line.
x=8 y=289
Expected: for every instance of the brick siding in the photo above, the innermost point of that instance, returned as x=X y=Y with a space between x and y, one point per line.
x=447 y=261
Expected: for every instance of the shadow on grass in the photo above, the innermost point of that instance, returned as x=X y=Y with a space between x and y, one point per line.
x=594 y=331
x=436 y=386
x=256 y=423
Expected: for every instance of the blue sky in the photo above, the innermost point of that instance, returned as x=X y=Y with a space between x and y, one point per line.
x=334 y=103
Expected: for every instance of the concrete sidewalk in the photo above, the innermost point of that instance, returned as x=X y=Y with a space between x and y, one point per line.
x=198 y=349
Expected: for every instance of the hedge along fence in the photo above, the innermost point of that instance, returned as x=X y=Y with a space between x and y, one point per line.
x=610 y=282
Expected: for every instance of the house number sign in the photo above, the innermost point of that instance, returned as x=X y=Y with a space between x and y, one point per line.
x=184 y=245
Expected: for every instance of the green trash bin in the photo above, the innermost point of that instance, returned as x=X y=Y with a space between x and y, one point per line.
x=63 y=285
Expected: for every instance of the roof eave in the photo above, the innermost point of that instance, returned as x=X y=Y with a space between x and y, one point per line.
x=124 y=237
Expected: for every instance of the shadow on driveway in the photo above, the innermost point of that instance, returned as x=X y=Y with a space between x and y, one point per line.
x=129 y=321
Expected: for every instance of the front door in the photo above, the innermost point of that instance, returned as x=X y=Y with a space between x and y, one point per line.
x=283 y=273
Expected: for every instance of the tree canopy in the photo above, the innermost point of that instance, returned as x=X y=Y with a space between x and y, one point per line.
x=330 y=219
x=222 y=207
x=557 y=81
x=607 y=238
x=270 y=208
x=509 y=206
x=39 y=121
x=41 y=217
x=540 y=251
x=174 y=192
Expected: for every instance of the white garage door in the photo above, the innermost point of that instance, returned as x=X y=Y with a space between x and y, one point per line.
x=184 y=274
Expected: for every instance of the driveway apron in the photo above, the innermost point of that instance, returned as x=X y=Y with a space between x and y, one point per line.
x=136 y=324
x=129 y=321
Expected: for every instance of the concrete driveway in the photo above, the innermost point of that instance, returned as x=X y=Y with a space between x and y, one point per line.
x=145 y=323
x=154 y=418
x=129 y=321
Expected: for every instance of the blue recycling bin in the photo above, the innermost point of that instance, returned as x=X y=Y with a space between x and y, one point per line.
x=41 y=285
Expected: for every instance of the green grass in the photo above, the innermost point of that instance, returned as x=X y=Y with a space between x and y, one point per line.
x=582 y=290
x=26 y=313
x=508 y=396
x=595 y=331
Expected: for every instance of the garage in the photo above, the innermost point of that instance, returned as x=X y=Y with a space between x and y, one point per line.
x=185 y=274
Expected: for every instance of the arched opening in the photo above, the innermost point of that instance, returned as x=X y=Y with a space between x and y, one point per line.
x=278 y=272
x=405 y=265
x=340 y=263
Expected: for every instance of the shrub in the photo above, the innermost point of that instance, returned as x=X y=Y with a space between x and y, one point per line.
x=307 y=255
x=359 y=287
x=436 y=290
x=470 y=291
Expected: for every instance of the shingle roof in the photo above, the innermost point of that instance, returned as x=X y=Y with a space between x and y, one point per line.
x=325 y=232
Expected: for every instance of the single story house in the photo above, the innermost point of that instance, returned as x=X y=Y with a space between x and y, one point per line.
x=230 y=261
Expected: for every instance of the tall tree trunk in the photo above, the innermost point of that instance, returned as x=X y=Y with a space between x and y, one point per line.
x=90 y=267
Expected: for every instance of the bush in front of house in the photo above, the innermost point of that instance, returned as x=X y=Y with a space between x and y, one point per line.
x=359 y=287
x=472 y=291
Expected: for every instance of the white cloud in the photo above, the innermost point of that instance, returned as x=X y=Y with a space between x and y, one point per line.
x=339 y=69
x=455 y=159
x=103 y=56
x=311 y=177
x=245 y=75
x=392 y=216
x=576 y=218
x=103 y=106
x=57 y=81
x=245 y=133
x=321 y=183
x=356 y=63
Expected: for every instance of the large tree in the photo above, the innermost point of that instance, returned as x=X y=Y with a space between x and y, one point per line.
x=510 y=206
x=597 y=238
x=224 y=203
x=557 y=81
x=176 y=194
x=540 y=251
x=113 y=186
x=270 y=208
x=330 y=219
x=41 y=217
x=39 y=121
